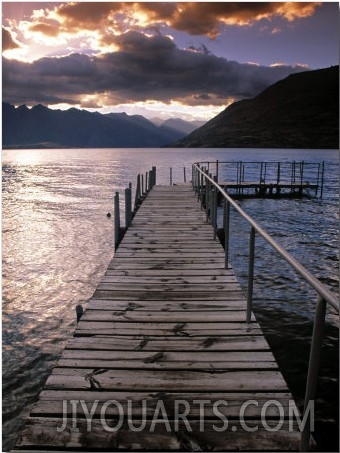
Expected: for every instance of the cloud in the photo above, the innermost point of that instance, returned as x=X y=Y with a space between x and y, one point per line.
x=207 y=18
x=46 y=28
x=195 y=18
x=88 y=15
x=144 y=68
x=7 y=40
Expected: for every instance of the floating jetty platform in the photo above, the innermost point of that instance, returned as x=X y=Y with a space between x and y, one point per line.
x=168 y=355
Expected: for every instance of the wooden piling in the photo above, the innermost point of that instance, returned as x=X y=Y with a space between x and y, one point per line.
x=116 y=219
x=128 y=212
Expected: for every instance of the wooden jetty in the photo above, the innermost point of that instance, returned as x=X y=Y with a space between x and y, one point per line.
x=164 y=340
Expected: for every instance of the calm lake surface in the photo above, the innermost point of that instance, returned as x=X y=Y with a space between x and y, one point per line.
x=58 y=241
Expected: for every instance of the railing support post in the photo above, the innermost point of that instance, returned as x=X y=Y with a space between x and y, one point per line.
x=201 y=176
x=199 y=185
x=250 y=273
x=214 y=208
x=207 y=197
x=117 y=219
x=226 y=222
x=313 y=367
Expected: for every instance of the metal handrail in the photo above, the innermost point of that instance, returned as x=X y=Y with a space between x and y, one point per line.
x=200 y=177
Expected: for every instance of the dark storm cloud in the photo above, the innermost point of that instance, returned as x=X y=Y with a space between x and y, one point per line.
x=144 y=68
x=7 y=40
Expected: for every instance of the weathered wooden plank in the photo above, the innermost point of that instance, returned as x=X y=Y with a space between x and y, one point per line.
x=167 y=295
x=214 y=261
x=174 y=343
x=166 y=356
x=159 y=265
x=171 y=247
x=171 y=326
x=180 y=280
x=106 y=379
x=99 y=329
x=170 y=287
x=50 y=403
x=165 y=317
x=165 y=366
x=173 y=306
x=170 y=273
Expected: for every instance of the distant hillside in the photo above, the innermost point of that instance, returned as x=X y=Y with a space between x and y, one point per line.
x=178 y=124
x=186 y=127
x=300 y=111
x=41 y=127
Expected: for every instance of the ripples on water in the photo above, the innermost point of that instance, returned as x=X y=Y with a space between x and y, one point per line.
x=57 y=243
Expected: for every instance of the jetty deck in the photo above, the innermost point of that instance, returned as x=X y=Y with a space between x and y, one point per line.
x=164 y=341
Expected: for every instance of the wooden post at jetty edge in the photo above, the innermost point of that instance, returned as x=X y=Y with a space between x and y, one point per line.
x=141 y=192
x=117 y=219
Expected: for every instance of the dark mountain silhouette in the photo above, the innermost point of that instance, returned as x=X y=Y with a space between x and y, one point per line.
x=41 y=127
x=300 y=111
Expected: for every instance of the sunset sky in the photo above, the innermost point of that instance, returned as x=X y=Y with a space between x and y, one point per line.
x=174 y=59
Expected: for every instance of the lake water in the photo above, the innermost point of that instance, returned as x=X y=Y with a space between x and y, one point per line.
x=58 y=241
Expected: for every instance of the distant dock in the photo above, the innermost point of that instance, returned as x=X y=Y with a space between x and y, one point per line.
x=268 y=179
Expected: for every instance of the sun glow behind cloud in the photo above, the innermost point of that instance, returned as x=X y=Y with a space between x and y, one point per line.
x=116 y=55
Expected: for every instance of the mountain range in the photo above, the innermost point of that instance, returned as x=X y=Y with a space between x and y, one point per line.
x=300 y=111
x=41 y=127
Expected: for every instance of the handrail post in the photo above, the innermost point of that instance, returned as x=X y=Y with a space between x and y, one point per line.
x=206 y=197
x=199 y=186
x=226 y=222
x=210 y=200
x=184 y=175
x=194 y=177
x=201 y=176
x=250 y=273
x=117 y=219
x=170 y=176
x=217 y=170
x=215 y=200
x=313 y=367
